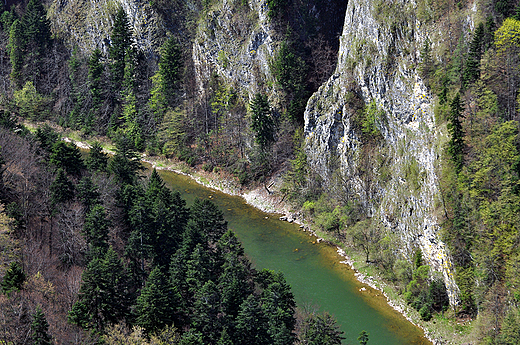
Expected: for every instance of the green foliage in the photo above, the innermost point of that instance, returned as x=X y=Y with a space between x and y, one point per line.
x=363 y=338
x=369 y=120
x=95 y=74
x=320 y=329
x=66 y=156
x=40 y=328
x=30 y=103
x=13 y=279
x=456 y=142
x=170 y=68
x=36 y=27
x=47 y=137
x=276 y=8
x=157 y=303
x=426 y=65
x=88 y=193
x=121 y=40
x=472 y=67
x=507 y=36
x=290 y=71
x=95 y=230
x=62 y=189
x=104 y=297
x=126 y=163
x=97 y=160
x=262 y=122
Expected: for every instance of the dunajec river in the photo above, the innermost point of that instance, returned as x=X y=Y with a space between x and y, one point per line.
x=317 y=277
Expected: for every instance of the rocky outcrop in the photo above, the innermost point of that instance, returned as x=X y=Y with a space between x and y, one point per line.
x=378 y=59
x=88 y=24
x=236 y=41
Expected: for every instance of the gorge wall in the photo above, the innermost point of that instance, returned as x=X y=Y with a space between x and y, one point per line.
x=379 y=51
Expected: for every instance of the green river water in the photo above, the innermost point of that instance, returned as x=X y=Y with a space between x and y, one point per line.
x=317 y=277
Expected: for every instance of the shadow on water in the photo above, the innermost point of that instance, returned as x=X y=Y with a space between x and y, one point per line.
x=314 y=271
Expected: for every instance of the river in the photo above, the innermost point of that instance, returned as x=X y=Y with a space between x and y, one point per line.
x=314 y=271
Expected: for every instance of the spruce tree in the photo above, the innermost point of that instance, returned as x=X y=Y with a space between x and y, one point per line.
x=61 y=188
x=96 y=229
x=262 y=122
x=95 y=73
x=36 y=26
x=121 y=39
x=67 y=156
x=252 y=324
x=456 y=142
x=14 y=278
x=170 y=68
x=157 y=305
x=103 y=297
x=40 y=328
x=97 y=160
x=88 y=193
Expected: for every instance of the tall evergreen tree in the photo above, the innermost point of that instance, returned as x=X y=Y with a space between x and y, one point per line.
x=262 y=122
x=157 y=305
x=252 y=324
x=97 y=160
x=170 y=68
x=88 y=193
x=320 y=329
x=95 y=230
x=456 y=142
x=104 y=296
x=40 y=328
x=95 y=73
x=68 y=157
x=62 y=189
x=36 y=26
x=14 y=278
x=121 y=40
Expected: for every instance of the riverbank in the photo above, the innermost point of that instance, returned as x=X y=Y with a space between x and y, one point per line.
x=268 y=199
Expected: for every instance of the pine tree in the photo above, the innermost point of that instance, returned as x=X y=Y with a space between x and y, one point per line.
x=121 y=40
x=36 y=26
x=62 y=189
x=456 y=142
x=252 y=323
x=472 y=67
x=262 y=122
x=320 y=329
x=156 y=307
x=97 y=160
x=206 y=310
x=208 y=219
x=126 y=163
x=88 y=193
x=95 y=229
x=95 y=73
x=68 y=157
x=426 y=66
x=13 y=279
x=170 y=68
x=40 y=328
x=103 y=297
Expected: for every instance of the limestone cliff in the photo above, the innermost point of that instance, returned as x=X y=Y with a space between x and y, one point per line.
x=378 y=57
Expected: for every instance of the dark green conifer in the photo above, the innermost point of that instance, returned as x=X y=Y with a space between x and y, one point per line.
x=61 y=188
x=121 y=39
x=157 y=305
x=97 y=160
x=262 y=122
x=456 y=142
x=95 y=73
x=40 y=328
x=67 y=156
x=14 y=278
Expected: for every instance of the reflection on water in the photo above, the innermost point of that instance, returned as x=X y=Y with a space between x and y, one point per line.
x=317 y=277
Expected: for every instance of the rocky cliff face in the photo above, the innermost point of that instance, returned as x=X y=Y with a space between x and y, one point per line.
x=236 y=41
x=378 y=58
x=88 y=24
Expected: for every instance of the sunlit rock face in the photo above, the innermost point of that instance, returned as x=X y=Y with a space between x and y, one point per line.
x=378 y=55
